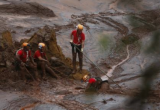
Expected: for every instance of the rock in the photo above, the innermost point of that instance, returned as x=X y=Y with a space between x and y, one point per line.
x=7 y=49
x=7 y=37
x=26 y=8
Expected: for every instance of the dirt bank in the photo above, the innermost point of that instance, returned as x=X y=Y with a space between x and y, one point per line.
x=26 y=8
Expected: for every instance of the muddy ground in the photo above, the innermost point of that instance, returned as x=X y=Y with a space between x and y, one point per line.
x=117 y=33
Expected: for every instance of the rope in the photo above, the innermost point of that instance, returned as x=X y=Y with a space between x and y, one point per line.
x=97 y=66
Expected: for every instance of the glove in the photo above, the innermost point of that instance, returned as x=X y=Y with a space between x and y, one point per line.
x=81 y=49
x=71 y=41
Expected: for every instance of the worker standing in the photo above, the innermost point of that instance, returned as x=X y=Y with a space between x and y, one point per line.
x=77 y=43
x=42 y=61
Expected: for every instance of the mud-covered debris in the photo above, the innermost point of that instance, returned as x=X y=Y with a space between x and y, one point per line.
x=26 y=8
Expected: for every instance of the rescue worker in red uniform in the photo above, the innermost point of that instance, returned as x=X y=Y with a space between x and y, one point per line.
x=99 y=84
x=77 y=43
x=25 y=62
x=42 y=61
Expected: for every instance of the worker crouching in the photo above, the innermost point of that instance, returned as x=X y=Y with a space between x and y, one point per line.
x=42 y=61
x=97 y=84
x=24 y=63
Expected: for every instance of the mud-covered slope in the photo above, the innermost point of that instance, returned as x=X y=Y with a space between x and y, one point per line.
x=107 y=19
x=26 y=8
x=8 y=50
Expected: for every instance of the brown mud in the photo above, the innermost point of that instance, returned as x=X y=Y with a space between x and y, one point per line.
x=52 y=91
x=26 y=8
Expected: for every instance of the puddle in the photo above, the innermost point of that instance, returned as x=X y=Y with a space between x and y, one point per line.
x=98 y=100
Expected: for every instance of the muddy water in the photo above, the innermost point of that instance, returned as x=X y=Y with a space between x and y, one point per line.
x=129 y=66
x=48 y=107
x=100 y=101
x=5 y=97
